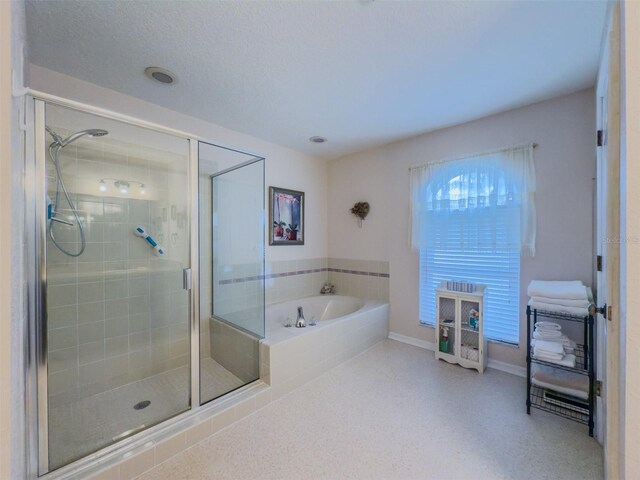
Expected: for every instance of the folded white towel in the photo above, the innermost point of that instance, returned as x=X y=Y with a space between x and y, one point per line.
x=544 y=347
x=548 y=326
x=548 y=357
x=548 y=335
x=550 y=307
x=560 y=380
x=573 y=290
x=562 y=339
x=559 y=388
x=566 y=360
x=567 y=302
x=567 y=345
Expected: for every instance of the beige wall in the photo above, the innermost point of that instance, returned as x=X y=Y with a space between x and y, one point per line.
x=5 y=240
x=630 y=245
x=565 y=167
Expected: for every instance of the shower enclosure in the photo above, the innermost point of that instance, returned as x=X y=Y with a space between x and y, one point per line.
x=231 y=195
x=149 y=282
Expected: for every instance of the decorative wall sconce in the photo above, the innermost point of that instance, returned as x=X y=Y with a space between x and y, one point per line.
x=361 y=210
x=122 y=185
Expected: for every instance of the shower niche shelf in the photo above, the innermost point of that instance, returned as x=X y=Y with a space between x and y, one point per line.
x=459 y=327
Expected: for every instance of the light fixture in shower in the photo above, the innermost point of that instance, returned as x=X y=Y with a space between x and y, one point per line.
x=161 y=75
x=123 y=186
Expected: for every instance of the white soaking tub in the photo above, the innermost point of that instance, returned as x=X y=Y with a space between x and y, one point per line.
x=346 y=327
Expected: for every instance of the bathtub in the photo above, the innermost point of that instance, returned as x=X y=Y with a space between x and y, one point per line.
x=346 y=327
x=324 y=308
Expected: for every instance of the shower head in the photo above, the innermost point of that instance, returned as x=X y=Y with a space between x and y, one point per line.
x=75 y=136
x=93 y=132
x=96 y=132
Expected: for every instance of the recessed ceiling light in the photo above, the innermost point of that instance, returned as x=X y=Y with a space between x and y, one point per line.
x=161 y=75
x=317 y=139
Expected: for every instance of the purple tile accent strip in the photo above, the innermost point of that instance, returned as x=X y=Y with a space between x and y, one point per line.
x=300 y=272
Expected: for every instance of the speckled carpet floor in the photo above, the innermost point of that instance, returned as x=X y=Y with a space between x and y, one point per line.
x=394 y=412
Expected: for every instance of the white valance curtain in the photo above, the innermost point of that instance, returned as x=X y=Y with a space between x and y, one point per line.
x=478 y=191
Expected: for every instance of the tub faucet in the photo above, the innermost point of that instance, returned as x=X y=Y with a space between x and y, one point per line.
x=300 y=322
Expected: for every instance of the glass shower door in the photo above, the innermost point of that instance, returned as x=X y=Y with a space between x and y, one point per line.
x=116 y=316
x=231 y=269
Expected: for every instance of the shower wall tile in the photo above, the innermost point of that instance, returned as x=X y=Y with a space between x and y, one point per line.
x=62 y=273
x=62 y=316
x=91 y=312
x=291 y=279
x=116 y=346
x=234 y=350
x=360 y=278
x=235 y=287
x=61 y=295
x=60 y=338
x=63 y=359
x=90 y=292
x=91 y=332
x=91 y=352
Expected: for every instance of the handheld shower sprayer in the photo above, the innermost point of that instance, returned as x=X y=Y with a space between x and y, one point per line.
x=53 y=208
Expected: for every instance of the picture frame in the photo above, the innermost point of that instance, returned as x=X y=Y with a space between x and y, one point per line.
x=286 y=216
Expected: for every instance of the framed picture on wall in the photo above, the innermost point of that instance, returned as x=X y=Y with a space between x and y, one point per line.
x=286 y=217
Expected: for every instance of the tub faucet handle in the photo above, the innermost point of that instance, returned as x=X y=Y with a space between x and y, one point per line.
x=300 y=322
x=313 y=322
x=288 y=323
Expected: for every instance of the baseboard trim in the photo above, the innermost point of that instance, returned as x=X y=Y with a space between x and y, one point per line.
x=492 y=363
x=416 y=342
x=507 y=367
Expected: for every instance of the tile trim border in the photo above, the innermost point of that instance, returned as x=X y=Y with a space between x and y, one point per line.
x=270 y=276
x=359 y=272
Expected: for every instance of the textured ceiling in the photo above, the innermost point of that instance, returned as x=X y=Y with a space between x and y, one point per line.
x=361 y=73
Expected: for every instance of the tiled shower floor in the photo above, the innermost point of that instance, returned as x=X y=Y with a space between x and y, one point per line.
x=79 y=428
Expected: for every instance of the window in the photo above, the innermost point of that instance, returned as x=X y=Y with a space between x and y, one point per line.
x=469 y=229
x=498 y=269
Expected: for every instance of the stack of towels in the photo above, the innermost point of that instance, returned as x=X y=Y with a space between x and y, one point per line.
x=562 y=381
x=551 y=345
x=571 y=297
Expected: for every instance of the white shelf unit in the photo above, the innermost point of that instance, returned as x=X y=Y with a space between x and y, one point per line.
x=464 y=344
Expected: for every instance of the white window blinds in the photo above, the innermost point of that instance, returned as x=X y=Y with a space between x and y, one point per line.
x=497 y=268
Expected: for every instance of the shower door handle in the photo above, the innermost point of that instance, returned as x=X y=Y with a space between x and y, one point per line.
x=186 y=279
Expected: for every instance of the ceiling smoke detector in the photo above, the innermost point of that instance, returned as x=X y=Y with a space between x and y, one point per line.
x=161 y=75
x=317 y=139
